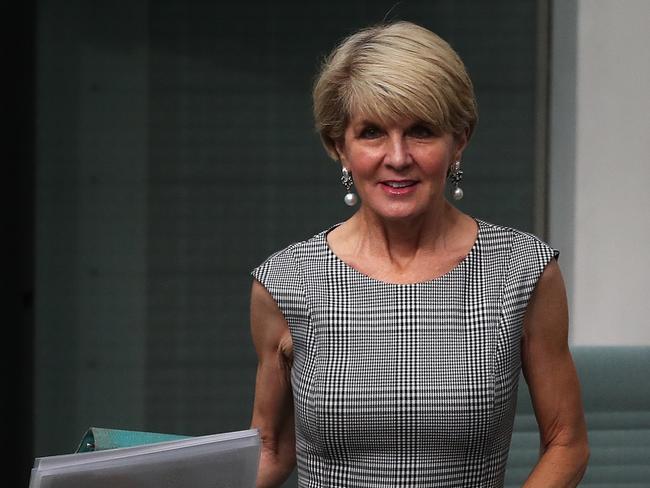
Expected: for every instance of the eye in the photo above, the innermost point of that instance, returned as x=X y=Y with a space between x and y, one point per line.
x=370 y=132
x=421 y=131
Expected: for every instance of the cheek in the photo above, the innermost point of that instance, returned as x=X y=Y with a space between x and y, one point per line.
x=363 y=163
x=436 y=163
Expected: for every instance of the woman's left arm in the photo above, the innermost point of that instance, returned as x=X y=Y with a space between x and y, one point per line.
x=554 y=387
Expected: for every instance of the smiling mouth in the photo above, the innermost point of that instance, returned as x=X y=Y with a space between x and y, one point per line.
x=399 y=184
x=401 y=188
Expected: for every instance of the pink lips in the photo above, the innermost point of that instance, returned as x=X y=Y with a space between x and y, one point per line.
x=398 y=187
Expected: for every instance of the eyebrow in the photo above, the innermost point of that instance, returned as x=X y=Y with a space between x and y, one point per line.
x=368 y=122
x=413 y=123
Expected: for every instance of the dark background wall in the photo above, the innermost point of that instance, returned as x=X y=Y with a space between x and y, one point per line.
x=175 y=151
x=17 y=52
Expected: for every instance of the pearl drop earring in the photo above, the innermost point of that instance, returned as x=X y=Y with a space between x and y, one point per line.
x=456 y=176
x=350 y=198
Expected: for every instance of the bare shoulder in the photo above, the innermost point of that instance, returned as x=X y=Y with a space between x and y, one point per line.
x=550 y=285
x=547 y=313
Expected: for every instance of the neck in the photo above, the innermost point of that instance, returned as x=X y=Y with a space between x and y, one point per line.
x=401 y=240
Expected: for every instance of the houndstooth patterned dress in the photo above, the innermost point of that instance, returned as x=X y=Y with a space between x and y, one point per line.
x=405 y=385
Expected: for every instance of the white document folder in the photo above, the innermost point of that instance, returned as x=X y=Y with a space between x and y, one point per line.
x=228 y=460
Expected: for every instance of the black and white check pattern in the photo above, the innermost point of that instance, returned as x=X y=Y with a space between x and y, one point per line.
x=405 y=385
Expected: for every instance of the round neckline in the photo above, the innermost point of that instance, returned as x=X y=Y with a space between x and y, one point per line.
x=459 y=265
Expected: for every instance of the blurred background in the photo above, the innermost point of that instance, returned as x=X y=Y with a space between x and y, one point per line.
x=165 y=148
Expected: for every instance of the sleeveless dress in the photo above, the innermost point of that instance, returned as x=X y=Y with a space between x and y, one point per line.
x=405 y=385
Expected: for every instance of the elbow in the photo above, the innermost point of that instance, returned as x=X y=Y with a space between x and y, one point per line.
x=277 y=461
x=280 y=451
x=283 y=461
x=574 y=457
x=581 y=453
x=582 y=457
x=273 y=471
x=570 y=452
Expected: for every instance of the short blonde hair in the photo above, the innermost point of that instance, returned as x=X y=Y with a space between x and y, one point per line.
x=389 y=72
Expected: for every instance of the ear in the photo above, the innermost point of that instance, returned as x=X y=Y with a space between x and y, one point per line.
x=339 y=148
x=462 y=140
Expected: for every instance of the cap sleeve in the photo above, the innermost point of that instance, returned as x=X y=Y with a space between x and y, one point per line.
x=528 y=259
x=280 y=275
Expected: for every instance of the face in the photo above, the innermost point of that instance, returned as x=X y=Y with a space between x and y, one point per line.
x=399 y=169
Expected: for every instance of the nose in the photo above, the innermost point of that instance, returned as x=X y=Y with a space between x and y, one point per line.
x=397 y=156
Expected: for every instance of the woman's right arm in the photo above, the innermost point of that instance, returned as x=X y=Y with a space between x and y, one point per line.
x=273 y=407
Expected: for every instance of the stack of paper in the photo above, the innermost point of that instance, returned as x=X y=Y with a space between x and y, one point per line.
x=228 y=460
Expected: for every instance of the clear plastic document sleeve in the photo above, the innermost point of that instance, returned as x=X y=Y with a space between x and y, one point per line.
x=228 y=460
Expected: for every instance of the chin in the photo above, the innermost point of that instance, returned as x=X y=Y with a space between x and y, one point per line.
x=398 y=212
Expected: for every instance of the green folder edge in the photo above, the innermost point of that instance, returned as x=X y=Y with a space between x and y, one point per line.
x=99 y=439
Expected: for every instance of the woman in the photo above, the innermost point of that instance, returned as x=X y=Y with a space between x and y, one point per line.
x=390 y=345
